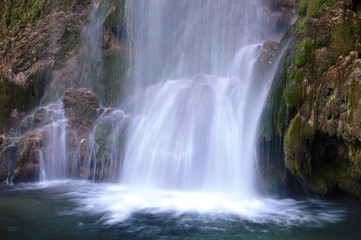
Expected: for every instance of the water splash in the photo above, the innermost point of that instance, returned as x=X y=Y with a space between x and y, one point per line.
x=117 y=203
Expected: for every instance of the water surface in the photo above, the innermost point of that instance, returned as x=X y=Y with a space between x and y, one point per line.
x=83 y=210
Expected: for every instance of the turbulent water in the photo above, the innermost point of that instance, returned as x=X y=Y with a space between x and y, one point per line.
x=83 y=210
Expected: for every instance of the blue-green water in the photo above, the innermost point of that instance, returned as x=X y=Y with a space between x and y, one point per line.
x=81 y=210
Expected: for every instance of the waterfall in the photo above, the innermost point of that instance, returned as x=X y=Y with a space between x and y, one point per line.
x=190 y=120
x=197 y=98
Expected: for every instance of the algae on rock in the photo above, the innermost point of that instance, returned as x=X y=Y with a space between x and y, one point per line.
x=321 y=92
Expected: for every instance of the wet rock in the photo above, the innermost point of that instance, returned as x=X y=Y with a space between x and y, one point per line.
x=27 y=157
x=7 y=163
x=268 y=51
x=81 y=109
x=319 y=88
x=109 y=135
x=282 y=14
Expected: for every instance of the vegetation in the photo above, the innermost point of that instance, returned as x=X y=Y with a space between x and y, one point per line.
x=17 y=14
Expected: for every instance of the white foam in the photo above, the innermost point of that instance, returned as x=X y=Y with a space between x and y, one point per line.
x=117 y=203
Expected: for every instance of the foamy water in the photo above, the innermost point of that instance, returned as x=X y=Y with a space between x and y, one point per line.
x=119 y=203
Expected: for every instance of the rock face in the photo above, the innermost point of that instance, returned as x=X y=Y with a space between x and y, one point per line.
x=27 y=158
x=49 y=46
x=317 y=110
x=36 y=38
x=36 y=48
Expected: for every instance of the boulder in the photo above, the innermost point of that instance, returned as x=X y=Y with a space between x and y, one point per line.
x=81 y=109
x=27 y=157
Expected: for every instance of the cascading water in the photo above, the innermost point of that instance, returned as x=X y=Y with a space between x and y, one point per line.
x=197 y=115
x=53 y=161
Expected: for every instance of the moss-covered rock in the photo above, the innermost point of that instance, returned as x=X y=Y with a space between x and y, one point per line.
x=297 y=146
x=320 y=90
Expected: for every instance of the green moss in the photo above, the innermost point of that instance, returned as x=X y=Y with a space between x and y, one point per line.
x=306 y=55
x=297 y=147
x=307 y=48
x=310 y=8
x=300 y=60
x=110 y=85
x=302 y=8
x=16 y=14
x=292 y=96
x=296 y=76
x=343 y=39
x=274 y=116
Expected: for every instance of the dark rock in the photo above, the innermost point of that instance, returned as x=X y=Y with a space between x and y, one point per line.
x=27 y=157
x=282 y=14
x=7 y=163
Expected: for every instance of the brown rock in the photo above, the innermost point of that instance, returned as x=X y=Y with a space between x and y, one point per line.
x=27 y=157
x=81 y=109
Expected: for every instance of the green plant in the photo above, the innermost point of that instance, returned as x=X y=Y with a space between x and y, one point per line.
x=300 y=60
x=307 y=47
x=292 y=96
x=302 y=8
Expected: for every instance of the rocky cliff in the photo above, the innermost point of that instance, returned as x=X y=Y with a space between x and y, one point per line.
x=315 y=100
x=44 y=48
